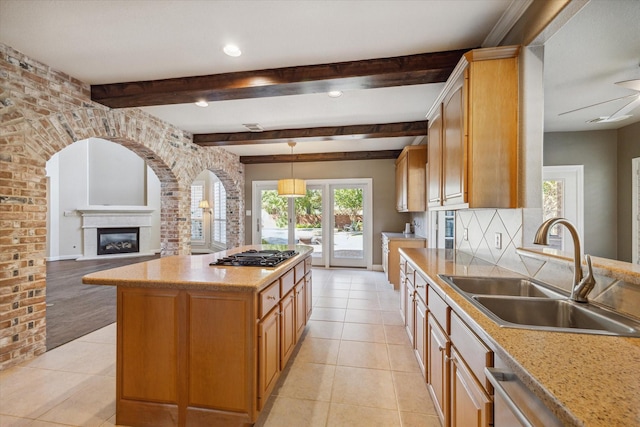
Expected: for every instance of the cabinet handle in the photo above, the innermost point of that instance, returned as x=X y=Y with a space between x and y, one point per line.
x=419 y=286
x=271 y=297
x=441 y=348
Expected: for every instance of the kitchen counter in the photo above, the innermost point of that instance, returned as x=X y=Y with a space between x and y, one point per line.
x=203 y=345
x=590 y=380
x=401 y=236
x=194 y=272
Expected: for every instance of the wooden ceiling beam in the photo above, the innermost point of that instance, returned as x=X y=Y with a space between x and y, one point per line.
x=366 y=74
x=326 y=133
x=321 y=157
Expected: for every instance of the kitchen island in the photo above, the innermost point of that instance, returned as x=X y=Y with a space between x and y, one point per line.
x=583 y=379
x=201 y=344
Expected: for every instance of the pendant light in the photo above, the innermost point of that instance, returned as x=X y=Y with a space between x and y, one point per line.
x=291 y=187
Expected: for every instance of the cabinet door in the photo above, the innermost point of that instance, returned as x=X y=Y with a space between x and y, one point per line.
x=420 y=336
x=288 y=328
x=409 y=316
x=454 y=154
x=438 y=368
x=401 y=183
x=300 y=308
x=434 y=163
x=470 y=405
x=403 y=294
x=268 y=355
x=308 y=290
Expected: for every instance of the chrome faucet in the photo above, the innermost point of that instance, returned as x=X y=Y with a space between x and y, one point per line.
x=581 y=286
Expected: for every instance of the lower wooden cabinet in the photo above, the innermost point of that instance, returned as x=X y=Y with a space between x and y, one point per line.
x=269 y=355
x=438 y=368
x=471 y=406
x=287 y=327
x=300 y=307
x=420 y=335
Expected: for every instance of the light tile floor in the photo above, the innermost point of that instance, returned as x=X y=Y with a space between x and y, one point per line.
x=354 y=367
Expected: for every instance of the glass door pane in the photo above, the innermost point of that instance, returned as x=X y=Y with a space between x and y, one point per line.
x=273 y=226
x=308 y=231
x=347 y=239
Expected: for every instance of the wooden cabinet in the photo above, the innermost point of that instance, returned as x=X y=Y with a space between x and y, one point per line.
x=471 y=406
x=438 y=368
x=411 y=179
x=473 y=133
x=300 y=307
x=287 y=327
x=268 y=355
x=391 y=242
x=434 y=166
x=420 y=335
x=451 y=356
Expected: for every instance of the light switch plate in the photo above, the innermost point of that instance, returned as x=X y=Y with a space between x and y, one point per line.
x=465 y=234
x=498 y=240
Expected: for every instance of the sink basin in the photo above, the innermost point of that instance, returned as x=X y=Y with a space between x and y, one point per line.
x=556 y=315
x=508 y=286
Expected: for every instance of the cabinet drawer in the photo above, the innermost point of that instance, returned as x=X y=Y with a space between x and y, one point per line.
x=475 y=353
x=269 y=298
x=410 y=273
x=438 y=308
x=299 y=271
x=421 y=287
x=287 y=282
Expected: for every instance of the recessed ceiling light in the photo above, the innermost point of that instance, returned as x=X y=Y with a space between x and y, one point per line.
x=202 y=103
x=232 y=50
x=335 y=94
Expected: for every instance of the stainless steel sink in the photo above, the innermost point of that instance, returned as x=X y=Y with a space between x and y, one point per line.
x=508 y=286
x=556 y=315
x=530 y=304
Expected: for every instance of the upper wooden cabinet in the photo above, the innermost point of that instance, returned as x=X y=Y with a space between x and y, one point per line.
x=411 y=179
x=473 y=133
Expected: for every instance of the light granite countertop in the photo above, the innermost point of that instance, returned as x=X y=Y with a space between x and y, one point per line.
x=401 y=236
x=194 y=272
x=585 y=380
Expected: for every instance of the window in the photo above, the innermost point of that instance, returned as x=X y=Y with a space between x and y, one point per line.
x=219 y=228
x=197 y=224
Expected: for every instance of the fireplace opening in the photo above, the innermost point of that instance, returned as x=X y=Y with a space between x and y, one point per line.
x=118 y=240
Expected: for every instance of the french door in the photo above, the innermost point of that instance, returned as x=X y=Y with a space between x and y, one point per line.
x=340 y=238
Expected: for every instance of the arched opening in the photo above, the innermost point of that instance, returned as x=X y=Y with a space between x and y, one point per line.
x=103 y=212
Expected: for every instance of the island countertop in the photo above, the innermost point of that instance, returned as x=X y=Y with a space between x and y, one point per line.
x=586 y=380
x=194 y=272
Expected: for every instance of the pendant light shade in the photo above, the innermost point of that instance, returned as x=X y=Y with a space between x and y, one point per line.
x=292 y=187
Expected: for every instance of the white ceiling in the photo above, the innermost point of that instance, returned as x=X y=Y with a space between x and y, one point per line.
x=128 y=40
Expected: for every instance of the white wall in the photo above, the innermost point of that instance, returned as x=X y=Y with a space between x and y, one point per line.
x=82 y=174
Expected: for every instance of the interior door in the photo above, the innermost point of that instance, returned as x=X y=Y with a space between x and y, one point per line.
x=563 y=197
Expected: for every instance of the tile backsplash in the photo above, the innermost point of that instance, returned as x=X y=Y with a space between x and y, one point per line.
x=516 y=228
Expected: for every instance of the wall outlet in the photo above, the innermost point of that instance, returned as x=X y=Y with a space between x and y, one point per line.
x=498 y=240
x=465 y=234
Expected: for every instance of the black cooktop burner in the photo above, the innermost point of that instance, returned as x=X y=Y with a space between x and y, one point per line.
x=255 y=258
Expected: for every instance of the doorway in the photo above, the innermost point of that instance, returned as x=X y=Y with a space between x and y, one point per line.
x=562 y=192
x=340 y=238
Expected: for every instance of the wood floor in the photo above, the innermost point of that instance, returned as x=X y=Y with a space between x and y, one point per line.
x=75 y=309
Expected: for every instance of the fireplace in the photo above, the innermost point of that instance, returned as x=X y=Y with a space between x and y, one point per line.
x=118 y=240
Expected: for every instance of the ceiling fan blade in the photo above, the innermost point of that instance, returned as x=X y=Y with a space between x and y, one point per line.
x=627 y=108
x=599 y=103
x=630 y=84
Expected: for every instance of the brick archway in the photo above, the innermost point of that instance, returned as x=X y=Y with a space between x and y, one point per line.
x=29 y=136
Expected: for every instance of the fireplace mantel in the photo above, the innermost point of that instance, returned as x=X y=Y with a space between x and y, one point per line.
x=114 y=216
x=114 y=209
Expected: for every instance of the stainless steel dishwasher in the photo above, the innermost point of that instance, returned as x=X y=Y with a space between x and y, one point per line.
x=514 y=405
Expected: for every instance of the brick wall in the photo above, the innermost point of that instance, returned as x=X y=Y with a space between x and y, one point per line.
x=43 y=111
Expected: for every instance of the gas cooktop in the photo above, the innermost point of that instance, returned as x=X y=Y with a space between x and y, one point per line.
x=255 y=258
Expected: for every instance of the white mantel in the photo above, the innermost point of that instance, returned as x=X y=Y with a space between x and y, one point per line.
x=111 y=216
